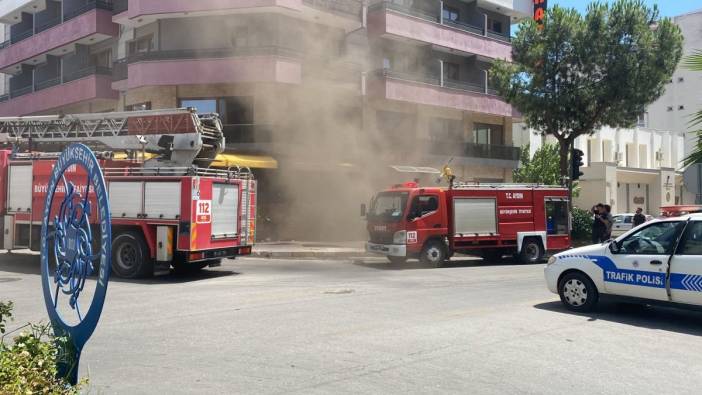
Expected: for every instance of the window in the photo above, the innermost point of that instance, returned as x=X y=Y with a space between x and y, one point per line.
x=691 y=242
x=681 y=79
x=655 y=239
x=141 y=45
x=451 y=71
x=681 y=107
x=450 y=14
x=423 y=205
x=495 y=25
x=388 y=205
x=201 y=105
x=138 y=107
x=103 y=59
x=240 y=37
x=642 y=120
x=234 y=110
x=557 y=216
x=488 y=134
x=441 y=129
x=670 y=108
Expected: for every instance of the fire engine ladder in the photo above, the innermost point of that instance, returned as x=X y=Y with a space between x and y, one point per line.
x=177 y=137
x=476 y=184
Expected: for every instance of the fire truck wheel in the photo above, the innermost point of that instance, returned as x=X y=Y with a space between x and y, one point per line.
x=130 y=255
x=433 y=254
x=397 y=260
x=532 y=252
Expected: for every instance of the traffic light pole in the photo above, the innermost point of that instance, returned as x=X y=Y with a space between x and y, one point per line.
x=569 y=181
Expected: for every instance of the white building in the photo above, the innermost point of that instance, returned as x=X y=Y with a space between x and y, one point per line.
x=625 y=168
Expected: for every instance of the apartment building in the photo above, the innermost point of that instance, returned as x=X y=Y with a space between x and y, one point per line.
x=627 y=168
x=315 y=95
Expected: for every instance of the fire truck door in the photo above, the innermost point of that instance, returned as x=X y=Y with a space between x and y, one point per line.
x=425 y=216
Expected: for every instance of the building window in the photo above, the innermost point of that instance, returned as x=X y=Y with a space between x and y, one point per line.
x=451 y=71
x=450 y=14
x=103 y=59
x=441 y=129
x=495 y=25
x=488 y=134
x=681 y=107
x=670 y=108
x=232 y=110
x=642 y=120
x=138 y=107
x=141 y=45
x=240 y=37
x=681 y=79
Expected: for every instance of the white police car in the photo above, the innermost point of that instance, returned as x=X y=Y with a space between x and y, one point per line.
x=657 y=262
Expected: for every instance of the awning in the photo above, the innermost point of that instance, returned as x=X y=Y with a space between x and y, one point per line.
x=250 y=161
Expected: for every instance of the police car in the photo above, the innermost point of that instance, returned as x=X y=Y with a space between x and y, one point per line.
x=657 y=262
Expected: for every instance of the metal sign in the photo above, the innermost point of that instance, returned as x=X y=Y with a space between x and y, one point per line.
x=692 y=176
x=76 y=241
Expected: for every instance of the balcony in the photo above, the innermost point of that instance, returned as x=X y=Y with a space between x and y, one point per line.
x=473 y=150
x=436 y=91
x=395 y=21
x=82 y=85
x=11 y=10
x=150 y=10
x=214 y=66
x=89 y=24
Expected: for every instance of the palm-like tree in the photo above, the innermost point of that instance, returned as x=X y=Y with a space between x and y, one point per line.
x=694 y=62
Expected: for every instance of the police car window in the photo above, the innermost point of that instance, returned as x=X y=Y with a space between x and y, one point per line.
x=618 y=219
x=627 y=219
x=691 y=243
x=655 y=239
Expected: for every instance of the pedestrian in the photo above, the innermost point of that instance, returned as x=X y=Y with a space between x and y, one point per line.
x=598 y=225
x=608 y=221
x=639 y=218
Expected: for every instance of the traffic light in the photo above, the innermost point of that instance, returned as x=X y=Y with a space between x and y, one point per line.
x=576 y=156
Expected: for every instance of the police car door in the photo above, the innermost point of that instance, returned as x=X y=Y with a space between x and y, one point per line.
x=641 y=264
x=686 y=267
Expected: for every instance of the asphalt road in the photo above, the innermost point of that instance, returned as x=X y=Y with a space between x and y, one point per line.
x=285 y=326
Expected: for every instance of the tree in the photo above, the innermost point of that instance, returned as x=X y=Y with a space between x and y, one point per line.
x=541 y=169
x=694 y=62
x=579 y=73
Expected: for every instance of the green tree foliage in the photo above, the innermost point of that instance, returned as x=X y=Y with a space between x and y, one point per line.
x=541 y=169
x=582 y=224
x=580 y=73
x=694 y=62
x=28 y=363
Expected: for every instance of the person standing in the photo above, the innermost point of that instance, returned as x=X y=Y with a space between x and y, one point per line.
x=639 y=218
x=608 y=221
x=597 y=224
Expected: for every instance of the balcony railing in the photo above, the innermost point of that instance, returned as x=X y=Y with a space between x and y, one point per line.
x=92 y=5
x=119 y=6
x=5 y=44
x=436 y=18
x=436 y=80
x=46 y=25
x=212 y=53
x=349 y=7
x=58 y=80
x=4 y=97
x=474 y=150
x=15 y=38
x=119 y=69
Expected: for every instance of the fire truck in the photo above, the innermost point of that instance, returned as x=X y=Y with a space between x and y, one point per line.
x=169 y=207
x=490 y=220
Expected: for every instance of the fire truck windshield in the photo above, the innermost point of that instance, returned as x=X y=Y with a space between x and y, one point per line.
x=388 y=206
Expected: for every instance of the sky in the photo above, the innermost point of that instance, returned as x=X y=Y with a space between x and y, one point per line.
x=667 y=7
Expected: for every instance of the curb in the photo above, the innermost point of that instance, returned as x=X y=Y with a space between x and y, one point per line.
x=309 y=254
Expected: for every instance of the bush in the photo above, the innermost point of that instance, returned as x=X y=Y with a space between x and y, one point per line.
x=28 y=365
x=582 y=224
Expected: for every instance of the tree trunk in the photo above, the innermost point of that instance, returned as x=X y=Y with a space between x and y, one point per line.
x=563 y=150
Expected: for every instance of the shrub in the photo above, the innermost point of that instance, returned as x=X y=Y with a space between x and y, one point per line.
x=28 y=364
x=582 y=224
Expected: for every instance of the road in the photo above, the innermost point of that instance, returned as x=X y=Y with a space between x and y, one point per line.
x=362 y=326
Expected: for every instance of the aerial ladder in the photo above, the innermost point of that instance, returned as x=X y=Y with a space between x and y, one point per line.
x=171 y=138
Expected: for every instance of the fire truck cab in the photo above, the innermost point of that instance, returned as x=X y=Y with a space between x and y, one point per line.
x=490 y=220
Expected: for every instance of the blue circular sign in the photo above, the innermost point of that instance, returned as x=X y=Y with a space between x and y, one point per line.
x=76 y=241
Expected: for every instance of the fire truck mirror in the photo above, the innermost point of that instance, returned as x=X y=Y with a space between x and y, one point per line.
x=363 y=210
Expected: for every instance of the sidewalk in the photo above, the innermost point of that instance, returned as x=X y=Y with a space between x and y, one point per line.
x=301 y=249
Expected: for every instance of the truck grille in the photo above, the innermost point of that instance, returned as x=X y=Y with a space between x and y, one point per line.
x=381 y=237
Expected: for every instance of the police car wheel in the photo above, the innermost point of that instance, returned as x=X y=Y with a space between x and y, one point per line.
x=531 y=252
x=577 y=292
x=433 y=254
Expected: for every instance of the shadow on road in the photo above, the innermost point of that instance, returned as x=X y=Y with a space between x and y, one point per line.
x=29 y=264
x=414 y=264
x=651 y=317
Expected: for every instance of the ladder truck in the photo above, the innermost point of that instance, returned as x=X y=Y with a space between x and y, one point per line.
x=169 y=208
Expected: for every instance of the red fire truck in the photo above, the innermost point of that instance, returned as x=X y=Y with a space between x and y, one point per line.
x=168 y=207
x=490 y=220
